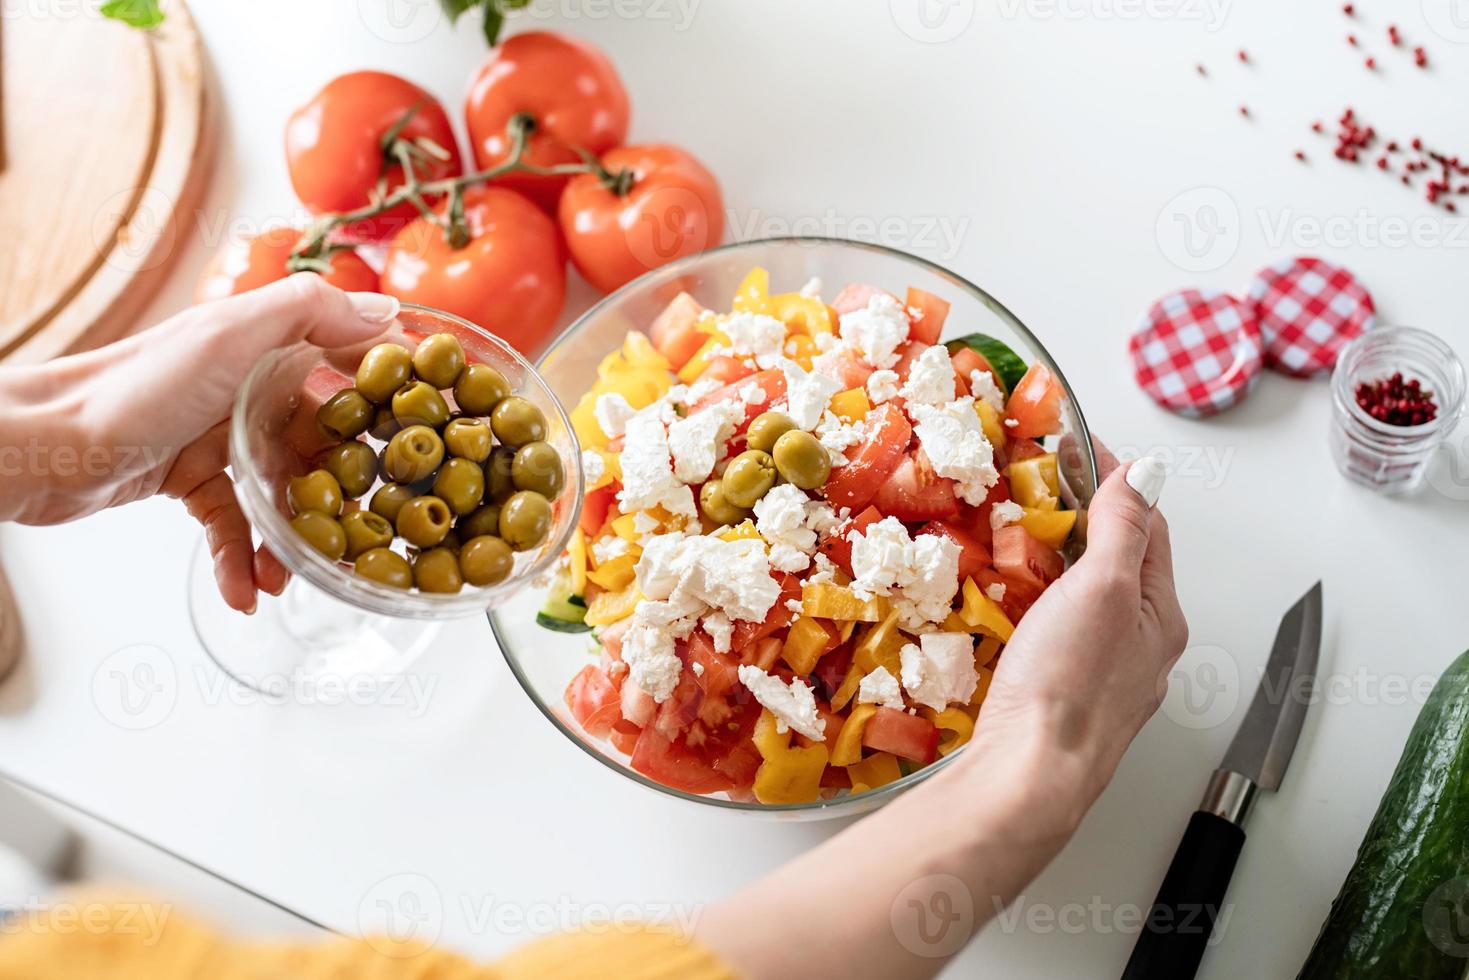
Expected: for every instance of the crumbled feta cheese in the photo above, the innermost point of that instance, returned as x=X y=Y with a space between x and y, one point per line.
x=827 y=342
x=782 y=519
x=877 y=330
x=754 y=335
x=612 y=412
x=982 y=386
x=881 y=555
x=593 y=466
x=807 y=395
x=996 y=591
x=700 y=388
x=826 y=571
x=644 y=523
x=940 y=671
x=652 y=663
x=720 y=629
x=812 y=289
x=954 y=442
x=930 y=378
x=794 y=605
x=697 y=442
x=753 y=394
x=881 y=687
x=838 y=435
x=608 y=548
x=1011 y=423
x=697 y=668
x=647 y=470
x=1005 y=512
x=730 y=576
x=793 y=705
x=882 y=386
x=923 y=572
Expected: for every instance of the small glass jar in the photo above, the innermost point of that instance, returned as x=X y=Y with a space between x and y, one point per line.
x=1392 y=458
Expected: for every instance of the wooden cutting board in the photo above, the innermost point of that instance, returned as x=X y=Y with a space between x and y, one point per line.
x=106 y=148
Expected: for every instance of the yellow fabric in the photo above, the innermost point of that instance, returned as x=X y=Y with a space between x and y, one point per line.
x=81 y=938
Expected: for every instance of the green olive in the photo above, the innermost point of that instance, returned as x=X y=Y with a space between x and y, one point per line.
x=486 y=520
x=517 y=422
x=354 y=464
x=480 y=388
x=499 y=475
x=469 y=439
x=321 y=532
x=439 y=360
x=385 y=424
x=389 y=499
x=418 y=403
x=365 y=531
x=748 y=477
x=486 y=560
x=716 y=508
x=382 y=371
x=345 y=415
x=424 y=521
x=802 y=459
x=413 y=454
x=525 y=520
x=766 y=429
x=437 y=570
x=537 y=467
x=386 y=567
x=460 y=483
x=318 y=491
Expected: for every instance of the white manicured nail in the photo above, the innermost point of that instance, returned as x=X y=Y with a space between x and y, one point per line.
x=1146 y=476
x=375 y=307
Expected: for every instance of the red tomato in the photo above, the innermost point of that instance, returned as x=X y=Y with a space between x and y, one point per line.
x=510 y=279
x=977 y=517
x=1018 y=449
x=927 y=327
x=674 y=208
x=681 y=707
x=721 y=672
x=675 y=333
x=773 y=383
x=1035 y=404
x=595 y=507
x=967 y=360
x=594 y=701
x=568 y=87
x=1022 y=557
x=249 y=263
x=677 y=765
x=855 y=296
x=747 y=635
x=832 y=669
x=838 y=545
x=907 y=354
x=624 y=736
x=914 y=492
x=334 y=147
x=638 y=706
x=728 y=748
x=1019 y=595
x=851 y=370
x=904 y=735
x=853 y=485
x=973 y=555
x=726 y=370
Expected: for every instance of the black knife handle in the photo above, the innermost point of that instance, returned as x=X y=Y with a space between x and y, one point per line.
x=1178 y=927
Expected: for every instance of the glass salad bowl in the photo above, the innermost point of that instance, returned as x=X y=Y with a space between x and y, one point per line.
x=331 y=626
x=545 y=661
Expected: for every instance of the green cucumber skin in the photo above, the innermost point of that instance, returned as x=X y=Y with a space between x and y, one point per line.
x=1009 y=366
x=1417 y=842
x=560 y=625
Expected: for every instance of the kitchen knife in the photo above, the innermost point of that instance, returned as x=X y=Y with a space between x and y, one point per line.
x=1177 y=930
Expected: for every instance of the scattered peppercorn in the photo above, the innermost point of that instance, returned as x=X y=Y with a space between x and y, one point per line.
x=1397 y=401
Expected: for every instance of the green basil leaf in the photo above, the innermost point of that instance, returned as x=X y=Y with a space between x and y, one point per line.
x=144 y=14
x=494 y=21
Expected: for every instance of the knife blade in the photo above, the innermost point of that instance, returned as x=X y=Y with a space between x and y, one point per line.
x=1181 y=920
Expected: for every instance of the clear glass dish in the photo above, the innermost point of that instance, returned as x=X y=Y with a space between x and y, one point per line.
x=330 y=621
x=544 y=661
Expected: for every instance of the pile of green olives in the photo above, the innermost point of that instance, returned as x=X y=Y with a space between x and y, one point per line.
x=465 y=482
x=774 y=450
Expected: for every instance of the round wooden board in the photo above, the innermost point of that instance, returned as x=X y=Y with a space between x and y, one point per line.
x=106 y=147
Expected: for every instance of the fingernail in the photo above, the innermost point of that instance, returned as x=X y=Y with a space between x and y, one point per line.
x=1146 y=476
x=375 y=307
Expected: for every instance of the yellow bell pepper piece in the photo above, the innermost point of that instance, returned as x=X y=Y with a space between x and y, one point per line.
x=848 y=628
x=1034 y=481
x=638 y=351
x=955 y=723
x=745 y=529
x=802 y=314
x=989 y=422
x=770 y=743
x=826 y=601
x=625 y=527
x=847 y=750
x=792 y=778
x=987 y=651
x=804 y=644
x=851 y=404
x=641 y=386
x=848 y=689
x=753 y=294
x=1050 y=527
x=611 y=607
x=801 y=348
x=576 y=557
x=982 y=689
x=584 y=423
x=879 y=647
x=984 y=614
x=691 y=371
x=874 y=771
x=614 y=575
x=611 y=468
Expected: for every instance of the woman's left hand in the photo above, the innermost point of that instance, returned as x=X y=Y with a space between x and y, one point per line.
x=150 y=414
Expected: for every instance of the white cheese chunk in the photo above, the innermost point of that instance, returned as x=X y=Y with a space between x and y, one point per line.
x=593 y=466
x=922 y=572
x=793 y=705
x=877 y=330
x=954 y=443
x=930 y=378
x=647 y=470
x=1005 y=512
x=698 y=442
x=652 y=663
x=940 y=671
x=612 y=412
x=983 y=387
x=807 y=395
x=754 y=335
x=882 y=386
x=881 y=688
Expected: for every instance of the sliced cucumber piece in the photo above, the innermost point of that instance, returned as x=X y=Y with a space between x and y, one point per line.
x=564 y=611
x=1007 y=365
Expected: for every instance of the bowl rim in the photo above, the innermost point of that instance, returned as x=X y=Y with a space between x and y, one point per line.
x=874 y=797
x=329 y=576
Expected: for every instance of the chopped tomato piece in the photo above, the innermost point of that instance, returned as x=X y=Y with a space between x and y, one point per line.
x=747 y=633
x=674 y=764
x=907 y=354
x=1019 y=449
x=855 y=484
x=907 y=736
x=727 y=745
x=1035 y=404
x=852 y=371
x=835 y=777
x=967 y=360
x=973 y=554
x=726 y=370
x=595 y=506
x=832 y=669
x=933 y=311
x=675 y=333
x=682 y=707
x=1018 y=597
x=1021 y=557
x=721 y=672
x=914 y=492
x=855 y=296
x=638 y=706
x=977 y=517
x=594 y=701
x=773 y=383
x=624 y=736
x=838 y=544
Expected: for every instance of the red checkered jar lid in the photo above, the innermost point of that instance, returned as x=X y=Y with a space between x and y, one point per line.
x=1197 y=352
x=1308 y=311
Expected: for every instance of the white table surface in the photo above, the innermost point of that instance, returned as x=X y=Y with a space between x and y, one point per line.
x=1051 y=142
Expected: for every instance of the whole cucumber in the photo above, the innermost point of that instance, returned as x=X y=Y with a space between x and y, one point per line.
x=1403 y=912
